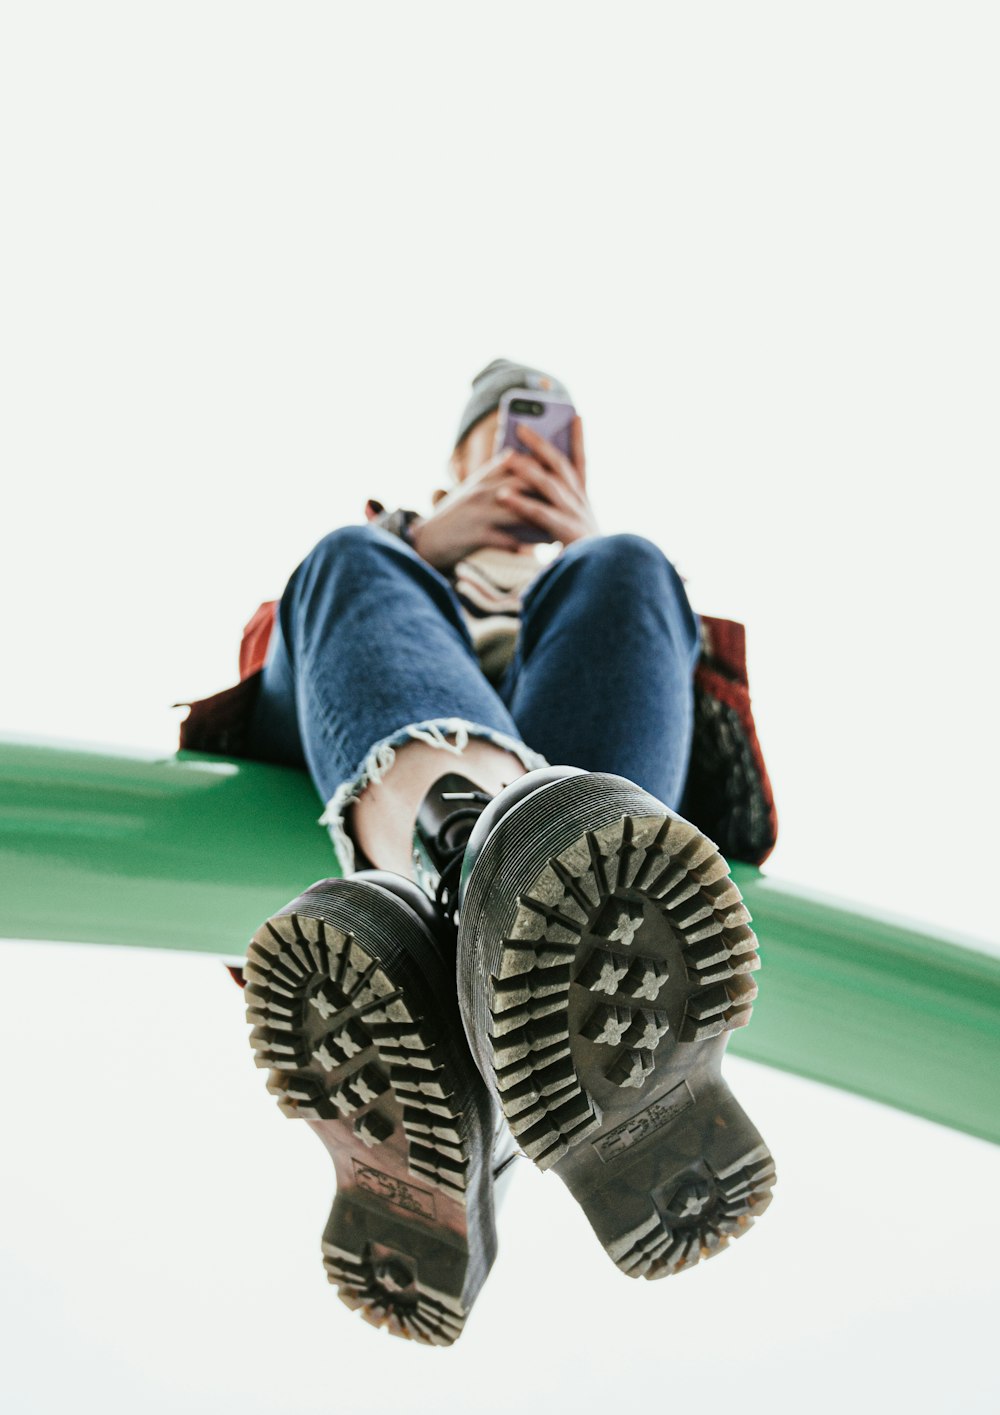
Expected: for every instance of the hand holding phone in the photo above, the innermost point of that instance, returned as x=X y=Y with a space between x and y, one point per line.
x=552 y=418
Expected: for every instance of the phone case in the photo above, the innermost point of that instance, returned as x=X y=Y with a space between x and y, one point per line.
x=553 y=422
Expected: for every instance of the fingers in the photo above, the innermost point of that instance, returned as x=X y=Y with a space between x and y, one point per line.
x=500 y=461
x=555 y=479
x=549 y=455
x=502 y=539
x=491 y=471
x=526 y=471
x=536 y=513
x=542 y=448
x=573 y=469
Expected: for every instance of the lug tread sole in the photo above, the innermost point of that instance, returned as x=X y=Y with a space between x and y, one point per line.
x=630 y=950
x=343 y=1043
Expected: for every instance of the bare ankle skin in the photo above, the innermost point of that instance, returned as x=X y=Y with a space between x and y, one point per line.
x=383 y=817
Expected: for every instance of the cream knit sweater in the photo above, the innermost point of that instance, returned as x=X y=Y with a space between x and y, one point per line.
x=490 y=584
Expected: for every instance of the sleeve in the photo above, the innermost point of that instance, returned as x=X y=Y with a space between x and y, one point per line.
x=728 y=793
x=256 y=638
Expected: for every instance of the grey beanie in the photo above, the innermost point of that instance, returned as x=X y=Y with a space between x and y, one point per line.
x=494 y=380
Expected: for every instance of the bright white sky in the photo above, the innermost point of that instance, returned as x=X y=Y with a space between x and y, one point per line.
x=253 y=254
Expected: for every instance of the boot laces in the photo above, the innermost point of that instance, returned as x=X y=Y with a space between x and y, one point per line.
x=450 y=871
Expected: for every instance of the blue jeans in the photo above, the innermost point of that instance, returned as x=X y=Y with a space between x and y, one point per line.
x=370 y=650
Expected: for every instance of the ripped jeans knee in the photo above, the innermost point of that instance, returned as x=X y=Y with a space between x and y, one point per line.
x=381 y=756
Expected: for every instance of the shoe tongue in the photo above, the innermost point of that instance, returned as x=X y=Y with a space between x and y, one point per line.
x=434 y=810
x=458 y=834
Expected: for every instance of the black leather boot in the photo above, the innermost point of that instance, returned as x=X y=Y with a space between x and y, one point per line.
x=350 y=990
x=604 y=957
x=445 y=819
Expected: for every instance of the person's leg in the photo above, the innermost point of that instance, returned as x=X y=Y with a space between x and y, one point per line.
x=370 y=675
x=603 y=673
x=383 y=816
x=604 y=953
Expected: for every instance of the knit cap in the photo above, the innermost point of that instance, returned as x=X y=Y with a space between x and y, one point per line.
x=494 y=380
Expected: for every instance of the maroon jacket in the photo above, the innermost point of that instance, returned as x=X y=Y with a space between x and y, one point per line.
x=727 y=793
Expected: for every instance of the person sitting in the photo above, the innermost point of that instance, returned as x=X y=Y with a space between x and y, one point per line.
x=530 y=770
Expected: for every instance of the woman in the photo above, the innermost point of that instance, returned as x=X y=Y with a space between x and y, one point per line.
x=517 y=951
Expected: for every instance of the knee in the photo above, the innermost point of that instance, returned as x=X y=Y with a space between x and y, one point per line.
x=631 y=568
x=344 y=550
x=624 y=558
x=346 y=541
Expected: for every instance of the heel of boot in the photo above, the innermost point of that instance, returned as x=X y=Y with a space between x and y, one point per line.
x=354 y=1015
x=605 y=955
x=396 y=1270
x=660 y=1205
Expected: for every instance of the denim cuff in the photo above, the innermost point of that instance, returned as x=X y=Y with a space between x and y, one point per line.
x=380 y=757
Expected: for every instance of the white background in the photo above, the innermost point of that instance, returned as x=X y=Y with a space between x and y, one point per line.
x=251 y=257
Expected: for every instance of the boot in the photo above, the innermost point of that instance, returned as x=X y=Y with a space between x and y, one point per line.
x=445 y=819
x=604 y=957
x=351 y=995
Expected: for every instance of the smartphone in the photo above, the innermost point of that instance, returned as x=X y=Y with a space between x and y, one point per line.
x=552 y=418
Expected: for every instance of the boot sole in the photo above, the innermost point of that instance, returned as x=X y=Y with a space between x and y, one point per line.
x=348 y=999
x=604 y=957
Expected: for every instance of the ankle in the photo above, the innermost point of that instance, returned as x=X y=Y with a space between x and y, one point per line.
x=444 y=822
x=383 y=817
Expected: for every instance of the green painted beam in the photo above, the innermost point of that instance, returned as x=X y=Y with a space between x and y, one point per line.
x=182 y=851
x=876 y=1005
x=192 y=852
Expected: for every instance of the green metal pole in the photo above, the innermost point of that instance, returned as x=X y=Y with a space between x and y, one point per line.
x=193 y=852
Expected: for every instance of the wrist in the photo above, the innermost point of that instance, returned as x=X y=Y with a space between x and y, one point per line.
x=416 y=538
